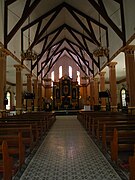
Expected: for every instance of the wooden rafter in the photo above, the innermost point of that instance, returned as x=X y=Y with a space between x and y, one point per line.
x=102 y=11
x=48 y=59
x=47 y=47
x=54 y=12
x=54 y=62
x=44 y=28
x=70 y=53
x=87 y=50
x=26 y=12
x=83 y=60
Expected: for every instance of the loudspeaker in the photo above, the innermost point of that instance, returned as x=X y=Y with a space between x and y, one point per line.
x=103 y=94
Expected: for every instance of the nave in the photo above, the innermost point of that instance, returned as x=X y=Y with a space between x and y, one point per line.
x=68 y=153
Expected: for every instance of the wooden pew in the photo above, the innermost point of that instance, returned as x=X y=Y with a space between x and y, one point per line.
x=44 y=120
x=6 y=164
x=123 y=140
x=26 y=131
x=132 y=167
x=105 y=131
x=97 y=123
x=37 y=123
x=15 y=146
x=36 y=130
x=88 y=118
x=26 y=124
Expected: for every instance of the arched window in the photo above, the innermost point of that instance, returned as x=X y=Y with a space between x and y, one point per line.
x=8 y=96
x=52 y=77
x=70 y=71
x=78 y=77
x=60 y=72
x=123 y=97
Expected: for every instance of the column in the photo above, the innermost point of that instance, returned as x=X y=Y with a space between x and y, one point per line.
x=83 y=94
x=18 y=89
x=130 y=76
x=102 y=88
x=96 y=92
x=92 y=93
x=36 y=95
x=2 y=83
x=113 y=85
x=40 y=102
x=47 y=88
x=29 y=90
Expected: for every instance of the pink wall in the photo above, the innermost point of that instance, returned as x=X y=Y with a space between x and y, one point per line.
x=65 y=62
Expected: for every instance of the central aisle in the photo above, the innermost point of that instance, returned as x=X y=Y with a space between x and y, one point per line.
x=68 y=153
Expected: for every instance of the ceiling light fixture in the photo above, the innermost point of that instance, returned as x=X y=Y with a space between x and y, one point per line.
x=101 y=51
x=29 y=54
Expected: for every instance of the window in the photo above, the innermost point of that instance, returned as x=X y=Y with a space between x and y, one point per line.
x=78 y=77
x=70 y=71
x=123 y=97
x=60 y=72
x=52 y=77
x=8 y=96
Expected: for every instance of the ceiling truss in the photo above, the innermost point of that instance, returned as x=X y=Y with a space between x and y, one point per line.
x=79 y=43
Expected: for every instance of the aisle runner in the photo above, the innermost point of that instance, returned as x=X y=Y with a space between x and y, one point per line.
x=68 y=153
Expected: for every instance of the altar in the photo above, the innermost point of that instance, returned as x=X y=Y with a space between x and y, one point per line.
x=65 y=94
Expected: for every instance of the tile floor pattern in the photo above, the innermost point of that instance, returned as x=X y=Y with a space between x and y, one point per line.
x=68 y=153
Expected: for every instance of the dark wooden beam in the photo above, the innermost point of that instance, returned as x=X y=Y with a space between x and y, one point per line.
x=42 y=17
x=53 y=63
x=83 y=60
x=67 y=27
x=8 y=2
x=51 y=33
x=66 y=5
x=118 y=1
x=102 y=11
x=27 y=11
x=81 y=34
x=47 y=47
x=48 y=59
x=45 y=27
x=81 y=23
x=92 y=32
x=70 y=53
x=123 y=22
x=37 y=30
x=87 y=50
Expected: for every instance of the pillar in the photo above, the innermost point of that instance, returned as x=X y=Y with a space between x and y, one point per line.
x=18 y=88
x=2 y=83
x=83 y=94
x=36 y=95
x=102 y=88
x=40 y=102
x=96 y=92
x=92 y=93
x=113 y=85
x=130 y=76
x=29 y=90
x=47 y=88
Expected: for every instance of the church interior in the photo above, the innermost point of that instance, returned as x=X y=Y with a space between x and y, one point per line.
x=67 y=100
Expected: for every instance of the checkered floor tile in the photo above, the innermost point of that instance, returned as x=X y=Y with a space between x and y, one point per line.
x=68 y=153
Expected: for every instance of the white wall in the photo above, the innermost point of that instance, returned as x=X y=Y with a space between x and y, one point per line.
x=129 y=9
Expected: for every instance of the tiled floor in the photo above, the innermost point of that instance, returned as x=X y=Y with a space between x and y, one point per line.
x=68 y=153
